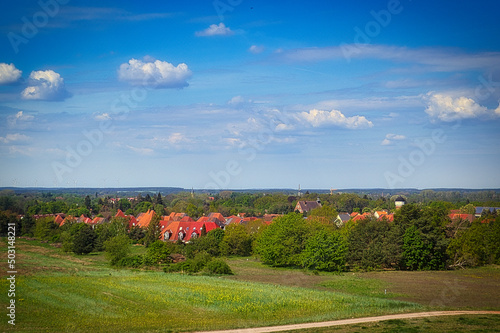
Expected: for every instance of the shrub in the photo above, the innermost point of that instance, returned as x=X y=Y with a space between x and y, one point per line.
x=132 y=261
x=219 y=267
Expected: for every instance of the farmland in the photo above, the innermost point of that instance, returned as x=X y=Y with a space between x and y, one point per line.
x=65 y=292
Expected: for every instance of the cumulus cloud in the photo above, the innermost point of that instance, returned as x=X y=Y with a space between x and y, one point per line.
x=175 y=138
x=389 y=138
x=159 y=74
x=14 y=138
x=448 y=108
x=45 y=85
x=256 y=49
x=215 y=30
x=9 y=73
x=18 y=118
x=284 y=127
x=318 y=118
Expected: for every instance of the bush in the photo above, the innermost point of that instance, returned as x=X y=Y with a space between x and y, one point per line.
x=158 y=252
x=190 y=266
x=132 y=261
x=219 y=267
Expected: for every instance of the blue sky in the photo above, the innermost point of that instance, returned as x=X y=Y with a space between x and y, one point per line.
x=250 y=94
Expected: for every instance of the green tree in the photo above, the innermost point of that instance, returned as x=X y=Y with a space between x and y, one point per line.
x=468 y=209
x=117 y=248
x=282 y=242
x=45 y=228
x=325 y=251
x=84 y=239
x=87 y=202
x=158 y=252
x=210 y=243
x=237 y=241
x=325 y=213
x=153 y=231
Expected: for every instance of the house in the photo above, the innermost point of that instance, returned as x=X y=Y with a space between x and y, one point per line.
x=342 y=218
x=462 y=217
x=399 y=202
x=481 y=210
x=132 y=221
x=360 y=217
x=378 y=213
x=269 y=218
x=306 y=206
x=386 y=217
x=144 y=219
x=185 y=230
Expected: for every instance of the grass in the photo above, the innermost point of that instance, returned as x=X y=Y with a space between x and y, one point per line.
x=465 y=324
x=59 y=292
x=62 y=292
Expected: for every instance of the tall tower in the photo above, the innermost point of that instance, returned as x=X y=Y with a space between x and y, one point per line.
x=299 y=193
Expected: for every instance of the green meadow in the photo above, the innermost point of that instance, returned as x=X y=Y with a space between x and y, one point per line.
x=59 y=292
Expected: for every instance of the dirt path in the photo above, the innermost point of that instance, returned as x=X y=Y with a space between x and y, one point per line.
x=353 y=321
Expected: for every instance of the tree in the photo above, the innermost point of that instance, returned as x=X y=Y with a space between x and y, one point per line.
x=159 y=200
x=153 y=230
x=468 y=209
x=158 y=252
x=84 y=239
x=325 y=251
x=282 y=242
x=45 y=228
x=88 y=202
x=236 y=241
x=117 y=248
x=325 y=213
x=210 y=243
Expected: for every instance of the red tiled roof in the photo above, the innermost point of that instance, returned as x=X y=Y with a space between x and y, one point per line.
x=465 y=217
x=144 y=219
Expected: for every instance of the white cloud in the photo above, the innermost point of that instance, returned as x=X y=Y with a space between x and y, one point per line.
x=45 y=85
x=9 y=73
x=255 y=49
x=389 y=138
x=215 y=30
x=14 y=137
x=104 y=116
x=175 y=138
x=284 y=127
x=159 y=74
x=19 y=117
x=447 y=108
x=319 y=118
x=142 y=151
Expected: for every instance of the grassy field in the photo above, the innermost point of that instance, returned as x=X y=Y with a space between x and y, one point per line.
x=59 y=292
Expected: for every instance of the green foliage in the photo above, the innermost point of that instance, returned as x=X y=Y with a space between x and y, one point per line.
x=324 y=213
x=476 y=245
x=45 y=228
x=153 y=230
x=325 y=251
x=219 y=267
x=190 y=266
x=158 y=252
x=131 y=261
x=209 y=243
x=237 y=241
x=84 y=240
x=283 y=241
x=117 y=248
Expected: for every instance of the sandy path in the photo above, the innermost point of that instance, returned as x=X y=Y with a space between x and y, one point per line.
x=353 y=321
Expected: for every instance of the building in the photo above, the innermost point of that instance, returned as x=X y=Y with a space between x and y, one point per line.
x=306 y=206
x=400 y=201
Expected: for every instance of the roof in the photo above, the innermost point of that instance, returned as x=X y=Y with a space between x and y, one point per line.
x=144 y=219
x=186 y=229
x=344 y=217
x=463 y=217
x=305 y=206
x=400 y=198
x=387 y=217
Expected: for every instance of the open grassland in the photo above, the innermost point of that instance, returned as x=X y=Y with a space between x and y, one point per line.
x=58 y=292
